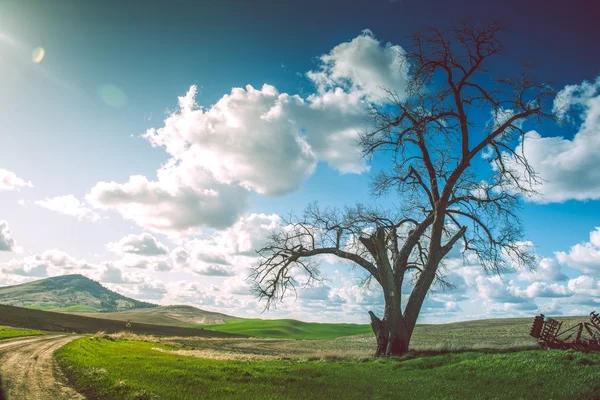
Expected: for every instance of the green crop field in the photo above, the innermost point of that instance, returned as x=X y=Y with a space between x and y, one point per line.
x=288 y=328
x=9 y=332
x=144 y=370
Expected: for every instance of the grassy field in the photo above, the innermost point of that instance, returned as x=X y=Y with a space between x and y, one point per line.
x=289 y=328
x=145 y=370
x=505 y=333
x=9 y=332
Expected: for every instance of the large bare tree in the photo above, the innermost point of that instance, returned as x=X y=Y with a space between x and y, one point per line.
x=454 y=179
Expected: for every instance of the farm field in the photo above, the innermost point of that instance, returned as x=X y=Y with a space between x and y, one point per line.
x=130 y=369
x=10 y=332
x=70 y=323
x=289 y=328
x=494 y=334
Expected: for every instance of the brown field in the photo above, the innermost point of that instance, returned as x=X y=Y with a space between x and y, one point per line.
x=60 y=322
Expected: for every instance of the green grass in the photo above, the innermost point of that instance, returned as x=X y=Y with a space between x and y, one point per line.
x=9 y=332
x=288 y=328
x=133 y=370
x=40 y=307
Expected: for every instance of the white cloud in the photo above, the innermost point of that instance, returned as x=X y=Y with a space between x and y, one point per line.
x=149 y=289
x=584 y=257
x=144 y=263
x=494 y=289
x=236 y=245
x=10 y=181
x=7 y=242
x=49 y=263
x=143 y=244
x=585 y=285
x=244 y=138
x=569 y=167
x=214 y=270
x=179 y=202
x=540 y=289
x=365 y=66
x=70 y=205
x=256 y=140
x=548 y=269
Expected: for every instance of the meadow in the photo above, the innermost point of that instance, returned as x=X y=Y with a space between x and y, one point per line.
x=288 y=328
x=10 y=332
x=122 y=368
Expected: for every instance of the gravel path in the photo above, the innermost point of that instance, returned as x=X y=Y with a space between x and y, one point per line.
x=28 y=370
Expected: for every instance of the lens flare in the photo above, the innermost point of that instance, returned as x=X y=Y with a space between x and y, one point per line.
x=37 y=55
x=112 y=95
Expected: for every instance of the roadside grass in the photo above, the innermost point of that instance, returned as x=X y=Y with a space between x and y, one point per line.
x=9 y=332
x=124 y=369
x=288 y=328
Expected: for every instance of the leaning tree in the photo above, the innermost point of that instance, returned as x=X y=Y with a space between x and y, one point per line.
x=455 y=172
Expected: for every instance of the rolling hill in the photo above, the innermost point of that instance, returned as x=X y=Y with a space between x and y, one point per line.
x=63 y=322
x=289 y=328
x=183 y=316
x=70 y=293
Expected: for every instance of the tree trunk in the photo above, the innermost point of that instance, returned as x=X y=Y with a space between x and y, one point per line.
x=392 y=336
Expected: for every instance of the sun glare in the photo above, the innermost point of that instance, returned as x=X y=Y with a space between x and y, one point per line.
x=37 y=55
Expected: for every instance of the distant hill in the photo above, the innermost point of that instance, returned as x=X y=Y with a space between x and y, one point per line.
x=183 y=316
x=69 y=293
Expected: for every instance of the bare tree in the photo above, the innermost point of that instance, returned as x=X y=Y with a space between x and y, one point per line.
x=435 y=137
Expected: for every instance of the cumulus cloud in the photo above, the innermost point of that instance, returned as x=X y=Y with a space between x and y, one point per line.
x=149 y=288
x=494 y=289
x=568 y=167
x=70 y=205
x=180 y=201
x=548 y=270
x=214 y=270
x=540 y=289
x=7 y=243
x=584 y=257
x=49 y=263
x=363 y=65
x=244 y=138
x=144 y=263
x=585 y=285
x=10 y=181
x=235 y=245
x=143 y=244
x=256 y=140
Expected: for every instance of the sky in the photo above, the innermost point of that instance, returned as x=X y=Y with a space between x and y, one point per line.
x=153 y=145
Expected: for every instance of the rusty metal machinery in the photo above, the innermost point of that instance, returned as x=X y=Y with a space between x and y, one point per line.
x=583 y=336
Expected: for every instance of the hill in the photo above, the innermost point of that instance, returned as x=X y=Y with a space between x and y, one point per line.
x=183 y=316
x=62 y=322
x=289 y=328
x=70 y=292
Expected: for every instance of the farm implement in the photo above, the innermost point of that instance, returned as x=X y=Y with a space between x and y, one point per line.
x=584 y=336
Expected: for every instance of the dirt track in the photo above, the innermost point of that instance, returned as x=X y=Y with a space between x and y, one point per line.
x=28 y=371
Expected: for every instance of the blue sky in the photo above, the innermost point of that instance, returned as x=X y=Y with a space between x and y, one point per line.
x=113 y=70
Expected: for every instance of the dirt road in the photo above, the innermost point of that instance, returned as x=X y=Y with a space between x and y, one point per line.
x=28 y=371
